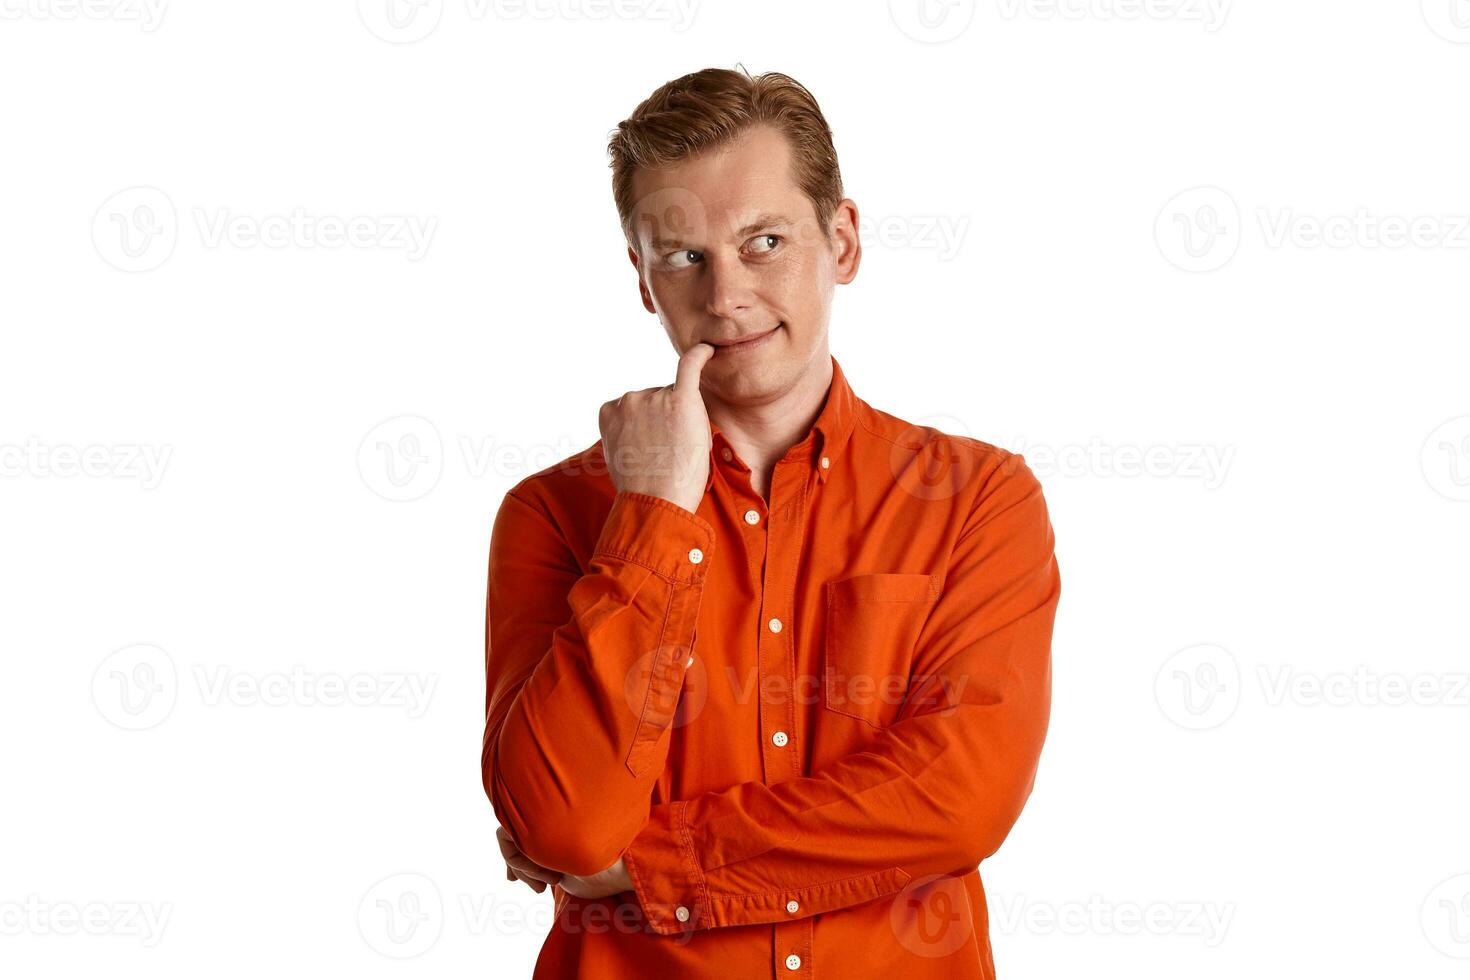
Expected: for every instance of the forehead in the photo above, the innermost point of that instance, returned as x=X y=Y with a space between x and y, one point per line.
x=719 y=191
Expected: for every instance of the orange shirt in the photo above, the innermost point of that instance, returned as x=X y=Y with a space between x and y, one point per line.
x=802 y=725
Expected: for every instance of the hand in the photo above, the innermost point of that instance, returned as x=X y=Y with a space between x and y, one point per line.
x=656 y=440
x=608 y=882
x=519 y=867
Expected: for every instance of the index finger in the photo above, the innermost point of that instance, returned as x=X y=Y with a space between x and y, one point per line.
x=691 y=363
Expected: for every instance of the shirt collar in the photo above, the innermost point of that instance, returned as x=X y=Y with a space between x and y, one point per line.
x=825 y=440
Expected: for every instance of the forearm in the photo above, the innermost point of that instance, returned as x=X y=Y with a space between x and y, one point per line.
x=573 y=747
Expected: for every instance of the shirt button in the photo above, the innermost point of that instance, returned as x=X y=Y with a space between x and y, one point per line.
x=791 y=906
x=825 y=462
x=793 y=962
x=682 y=914
x=780 y=739
x=696 y=556
x=775 y=625
x=725 y=454
x=751 y=517
x=690 y=661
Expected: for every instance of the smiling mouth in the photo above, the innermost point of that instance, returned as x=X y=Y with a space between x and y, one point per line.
x=746 y=341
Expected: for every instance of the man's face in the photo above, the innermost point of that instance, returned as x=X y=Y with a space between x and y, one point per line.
x=728 y=247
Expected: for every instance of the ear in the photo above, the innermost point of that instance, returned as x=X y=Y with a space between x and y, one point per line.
x=642 y=286
x=847 y=247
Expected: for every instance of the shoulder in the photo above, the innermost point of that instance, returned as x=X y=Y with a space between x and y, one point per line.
x=573 y=490
x=931 y=445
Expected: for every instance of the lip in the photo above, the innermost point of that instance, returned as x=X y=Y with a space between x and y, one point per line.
x=750 y=343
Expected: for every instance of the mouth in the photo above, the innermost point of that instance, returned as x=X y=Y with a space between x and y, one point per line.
x=742 y=344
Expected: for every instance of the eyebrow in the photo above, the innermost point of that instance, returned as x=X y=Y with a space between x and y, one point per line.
x=750 y=228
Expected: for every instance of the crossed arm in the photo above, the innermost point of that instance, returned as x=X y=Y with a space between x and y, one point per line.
x=584 y=672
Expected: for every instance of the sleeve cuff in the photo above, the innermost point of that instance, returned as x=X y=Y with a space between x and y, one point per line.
x=665 y=875
x=659 y=535
x=674 y=892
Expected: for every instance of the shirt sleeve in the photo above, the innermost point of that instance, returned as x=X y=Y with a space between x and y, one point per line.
x=583 y=672
x=933 y=793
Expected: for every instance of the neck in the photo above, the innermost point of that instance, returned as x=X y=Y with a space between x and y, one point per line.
x=762 y=433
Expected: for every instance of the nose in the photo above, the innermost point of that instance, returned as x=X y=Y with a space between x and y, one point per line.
x=730 y=286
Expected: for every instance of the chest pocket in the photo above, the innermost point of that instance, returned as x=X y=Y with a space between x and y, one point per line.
x=873 y=623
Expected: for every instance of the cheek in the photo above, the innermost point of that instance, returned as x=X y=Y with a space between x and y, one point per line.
x=795 y=286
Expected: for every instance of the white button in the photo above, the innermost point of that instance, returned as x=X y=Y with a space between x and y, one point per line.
x=682 y=914
x=726 y=454
x=825 y=462
x=791 y=906
x=775 y=625
x=751 y=517
x=690 y=661
x=696 y=556
x=793 y=962
x=779 y=738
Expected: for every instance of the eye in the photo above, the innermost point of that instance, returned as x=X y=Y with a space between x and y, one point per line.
x=682 y=259
x=770 y=243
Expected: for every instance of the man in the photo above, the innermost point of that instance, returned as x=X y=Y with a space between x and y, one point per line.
x=768 y=669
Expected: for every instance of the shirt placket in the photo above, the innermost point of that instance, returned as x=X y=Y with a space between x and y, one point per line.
x=783 y=528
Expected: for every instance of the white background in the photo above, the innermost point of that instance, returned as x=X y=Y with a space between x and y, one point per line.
x=1204 y=263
